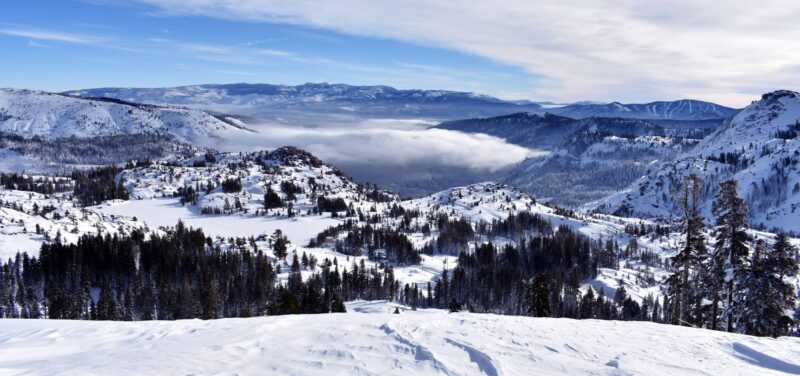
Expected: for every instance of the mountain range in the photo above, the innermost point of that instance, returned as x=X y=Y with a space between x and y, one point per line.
x=287 y=101
x=684 y=109
x=268 y=100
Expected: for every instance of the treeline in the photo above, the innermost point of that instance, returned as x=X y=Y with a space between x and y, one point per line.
x=178 y=275
x=102 y=150
x=43 y=185
x=379 y=244
x=540 y=277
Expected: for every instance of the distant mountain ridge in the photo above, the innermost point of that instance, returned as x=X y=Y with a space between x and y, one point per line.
x=265 y=99
x=684 y=109
x=548 y=130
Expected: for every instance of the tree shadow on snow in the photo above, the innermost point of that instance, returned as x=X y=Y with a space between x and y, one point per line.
x=760 y=359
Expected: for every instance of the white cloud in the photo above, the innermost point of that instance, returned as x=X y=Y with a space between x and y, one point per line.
x=726 y=51
x=390 y=145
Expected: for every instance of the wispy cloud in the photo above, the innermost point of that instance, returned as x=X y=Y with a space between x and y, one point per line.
x=34 y=43
x=55 y=36
x=62 y=37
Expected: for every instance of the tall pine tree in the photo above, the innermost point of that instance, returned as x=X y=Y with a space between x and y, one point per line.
x=727 y=267
x=681 y=291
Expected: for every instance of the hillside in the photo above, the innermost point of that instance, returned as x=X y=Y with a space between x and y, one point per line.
x=48 y=115
x=27 y=219
x=270 y=100
x=369 y=340
x=589 y=158
x=758 y=147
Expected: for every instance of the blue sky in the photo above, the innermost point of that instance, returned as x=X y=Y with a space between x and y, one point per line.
x=61 y=45
x=632 y=51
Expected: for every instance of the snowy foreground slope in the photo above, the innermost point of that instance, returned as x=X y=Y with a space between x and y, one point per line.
x=369 y=340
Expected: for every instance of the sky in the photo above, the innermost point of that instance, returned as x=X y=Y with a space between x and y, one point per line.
x=728 y=52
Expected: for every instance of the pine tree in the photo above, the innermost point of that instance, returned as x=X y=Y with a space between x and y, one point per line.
x=689 y=258
x=272 y=200
x=539 y=297
x=279 y=246
x=728 y=261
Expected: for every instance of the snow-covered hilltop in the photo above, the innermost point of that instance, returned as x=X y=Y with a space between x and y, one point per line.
x=236 y=183
x=758 y=147
x=30 y=113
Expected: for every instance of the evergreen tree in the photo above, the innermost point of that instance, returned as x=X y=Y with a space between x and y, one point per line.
x=690 y=257
x=763 y=296
x=280 y=245
x=728 y=262
x=539 y=297
x=272 y=200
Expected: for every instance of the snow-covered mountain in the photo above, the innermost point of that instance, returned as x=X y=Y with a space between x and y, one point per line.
x=684 y=109
x=30 y=113
x=278 y=100
x=758 y=147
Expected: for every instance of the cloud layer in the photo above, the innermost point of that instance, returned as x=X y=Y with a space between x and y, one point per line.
x=390 y=145
x=728 y=52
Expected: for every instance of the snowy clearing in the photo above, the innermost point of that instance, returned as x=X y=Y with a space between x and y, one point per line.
x=370 y=340
x=167 y=211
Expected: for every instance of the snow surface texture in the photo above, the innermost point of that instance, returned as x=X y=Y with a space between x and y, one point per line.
x=769 y=180
x=369 y=340
x=35 y=113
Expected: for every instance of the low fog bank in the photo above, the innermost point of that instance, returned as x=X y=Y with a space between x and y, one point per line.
x=405 y=155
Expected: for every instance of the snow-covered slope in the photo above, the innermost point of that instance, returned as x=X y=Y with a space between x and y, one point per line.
x=268 y=99
x=684 y=109
x=35 y=113
x=758 y=147
x=368 y=340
